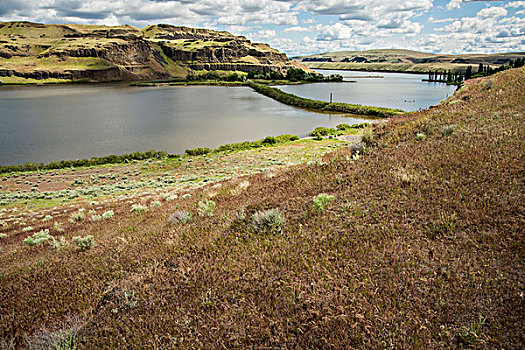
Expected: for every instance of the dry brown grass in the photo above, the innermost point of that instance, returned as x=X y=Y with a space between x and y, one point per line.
x=423 y=247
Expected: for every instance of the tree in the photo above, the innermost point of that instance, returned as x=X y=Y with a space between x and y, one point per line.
x=468 y=73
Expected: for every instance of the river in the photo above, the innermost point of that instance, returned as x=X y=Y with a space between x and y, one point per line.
x=52 y=123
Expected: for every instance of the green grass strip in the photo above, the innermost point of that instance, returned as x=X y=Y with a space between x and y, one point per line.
x=296 y=101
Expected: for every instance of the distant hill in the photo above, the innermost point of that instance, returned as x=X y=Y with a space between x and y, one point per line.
x=33 y=52
x=402 y=60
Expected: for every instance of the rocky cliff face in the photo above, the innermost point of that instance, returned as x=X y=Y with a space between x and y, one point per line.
x=99 y=53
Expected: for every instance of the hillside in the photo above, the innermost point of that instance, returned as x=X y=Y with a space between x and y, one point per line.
x=421 y=245
x=403 y=60
x=32 y=52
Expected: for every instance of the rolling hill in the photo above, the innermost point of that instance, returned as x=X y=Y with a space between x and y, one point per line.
x=403 y=60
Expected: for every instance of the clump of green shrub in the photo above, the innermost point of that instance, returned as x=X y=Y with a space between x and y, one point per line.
x=322 y=200
x=84 y=162
x=155 y=204
x=268 y=221
x=107 y=214
x=84 y=243
x=197 y=151
x=138 y=208
x=77 y=217
x=180 y=217
x=58 y=244
x=206 y=207
x=58 y=227
x=37 y=238
x=448 y=130
x=245 y=145
x=368 y=137
x=64 y=338
x=321 y=130
x=421 y=137
x=3 y=235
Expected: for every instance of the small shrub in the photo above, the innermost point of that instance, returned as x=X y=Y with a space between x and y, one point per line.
x=180 y=217
x=37 y=238
x=269 y=140
x=84 y=243
x=58 y=227
x=356 y=156
x=448 y=130
x=321 y=130
x=47 y=218
x=96 y=217
x=421 y=137
x=318 y=136
x=26 y=229
x=368 y=136
x=471 y=336
x=138 y=208
x=271 y=220
x=107 y=215
x=64 y=338
x=206 y=207
x=57 y=245
x=322 y=200
x=3 y=235
x=77 y=217
x=155 y=204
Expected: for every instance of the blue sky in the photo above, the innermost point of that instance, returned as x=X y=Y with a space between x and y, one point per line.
x=310 y=26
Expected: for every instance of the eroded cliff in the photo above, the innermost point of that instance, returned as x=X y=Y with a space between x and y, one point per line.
x=43 y=52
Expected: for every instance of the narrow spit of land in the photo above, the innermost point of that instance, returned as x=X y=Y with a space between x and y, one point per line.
x=421 y=246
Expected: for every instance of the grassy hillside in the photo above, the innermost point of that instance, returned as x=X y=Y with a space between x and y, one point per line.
x=403 y=60
x=421 y=246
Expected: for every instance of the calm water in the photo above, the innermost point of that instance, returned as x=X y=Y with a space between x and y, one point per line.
x=394 y=90
x=43 y=124
x=47 y=123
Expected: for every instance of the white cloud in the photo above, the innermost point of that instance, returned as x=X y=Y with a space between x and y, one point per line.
x=454 y=4
x=492 y=12
x=265 y=34
x=297 y=29
x=516 y=4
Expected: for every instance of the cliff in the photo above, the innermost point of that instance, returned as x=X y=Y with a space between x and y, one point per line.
x=33 y=52
x=403 y=60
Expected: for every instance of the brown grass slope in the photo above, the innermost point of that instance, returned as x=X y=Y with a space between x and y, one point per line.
x=423 y=247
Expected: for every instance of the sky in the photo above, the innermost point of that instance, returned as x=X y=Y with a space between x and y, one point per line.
x=310 y=26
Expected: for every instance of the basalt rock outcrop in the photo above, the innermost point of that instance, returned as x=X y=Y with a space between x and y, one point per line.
x=99 y=53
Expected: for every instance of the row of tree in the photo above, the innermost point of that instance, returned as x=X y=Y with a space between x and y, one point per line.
x=456 y=77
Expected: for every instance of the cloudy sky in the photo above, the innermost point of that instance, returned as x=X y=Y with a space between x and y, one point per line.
x=310 y=26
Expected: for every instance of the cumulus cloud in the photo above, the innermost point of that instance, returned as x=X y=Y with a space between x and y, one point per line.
x=492 y=12
x=315 y=25
x=454 y=4
x=516 y=4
